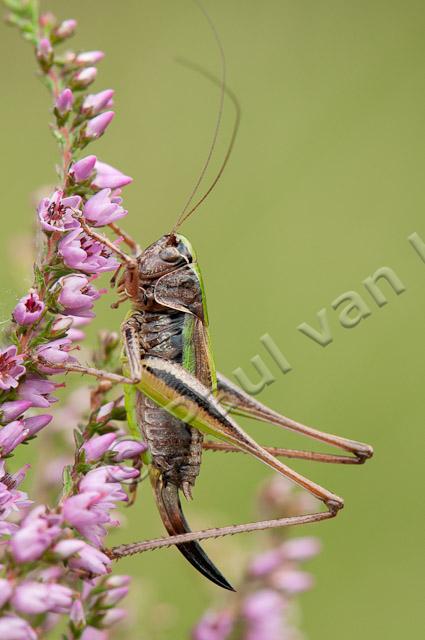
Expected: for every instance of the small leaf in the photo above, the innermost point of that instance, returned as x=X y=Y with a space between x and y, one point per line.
x=78 y=438
x=83 y=468
x=39 y=279
x=67 y=479
x=58 y=136
x=118 y=413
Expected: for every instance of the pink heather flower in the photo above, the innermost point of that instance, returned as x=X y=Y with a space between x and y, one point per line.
x=66 y=548
x=80 y=251
x=263 y=612
x=61 y=325
x=75 y=334
x=265 y=563
x=113 y=596
x=55 y=352
x=112 y=616
x=64 y=101
x=88 y=512
x=11 y=410
x=261 y=604
x=48 y=20
x=77 y=614
x=60 y=598
x=11 y=436
x=127 y=449
x=66 y=29
x=5 y=591
x=96 y=102
x=16 y=432
x=36 y=391
x=84 y=78
x=56 y=212
x=113 y=582
x=91 y=633
x=7 y=528
x=109 y=177
x=109 y=476
x=82 y=169
x=104 y=411
x=36 y=423
x=45 y=51
x=97 y=446
x=292 y=581
x=53 y=573
x=29 y=309
x=32 y=598
x=101 y=209
x=91 y=560
x=77 y=296
x=10 y=498
x=301 y=549
x=213 y=626
x=11 y=368
x=99 y=490
x=14 y=628
x=70 y=325
x=98 y=125
x=44 y=47
x=89 y=57
x=37 y=532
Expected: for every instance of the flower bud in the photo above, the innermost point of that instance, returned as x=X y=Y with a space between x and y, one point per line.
x=66 y=548
x=292 y=581
x=77 y=614
x=96 y=102
x=84 y=78
x=97 y=126
x=11 y=410
x=101 y=209
x=45 y=53
x=36 y=423
x=97 y=446
x=127 y=449
x=48 y=20
x=112 y=616
x=107 y=177
x=12 y=626
x=113 y=596
x=65 y=30
x=77 y=295
x=6 y=591
x=115 y=581
x=64 y=102
x=89 y=57
x=82 y=169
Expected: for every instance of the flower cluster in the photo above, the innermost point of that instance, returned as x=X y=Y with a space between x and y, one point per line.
x=263 y=609
x=54 y=562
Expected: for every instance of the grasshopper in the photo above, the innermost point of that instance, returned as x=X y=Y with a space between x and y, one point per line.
x=174 y=397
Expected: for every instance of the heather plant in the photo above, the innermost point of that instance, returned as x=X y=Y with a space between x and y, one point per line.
x=53 y=565
x=54 y=571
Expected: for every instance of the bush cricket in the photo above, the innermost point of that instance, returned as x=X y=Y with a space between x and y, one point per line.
x=173 y=395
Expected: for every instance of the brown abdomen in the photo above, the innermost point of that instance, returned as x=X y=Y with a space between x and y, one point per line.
x=175 y=447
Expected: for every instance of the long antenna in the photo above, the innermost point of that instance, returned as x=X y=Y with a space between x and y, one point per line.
x=233 y=98
x=185 y=213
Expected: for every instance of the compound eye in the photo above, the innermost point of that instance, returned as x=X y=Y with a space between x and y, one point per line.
x=170 y=254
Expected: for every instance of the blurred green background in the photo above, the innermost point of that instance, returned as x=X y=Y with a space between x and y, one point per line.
x=324 y=186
